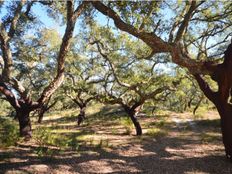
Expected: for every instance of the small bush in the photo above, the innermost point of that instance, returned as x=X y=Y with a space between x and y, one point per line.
x=42 y=151
x=46 y=138
x=9 y=132
x=200 y=113
x=127 y=123
x=73 y=142
x=156 y=132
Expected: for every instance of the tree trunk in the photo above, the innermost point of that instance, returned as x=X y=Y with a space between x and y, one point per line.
x=222 y=101
x=131 y=112
x=198 y=104
x=225 y=112
x=24 y=123
x=136 y=123
x=41 y=114
x=81 y=116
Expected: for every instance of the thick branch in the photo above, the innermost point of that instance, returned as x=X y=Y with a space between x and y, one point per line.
x=179 y=56
x=185 y=22
x=157 y=91
x=9 y=95
x=155 y=42
x=58 y=80
x=5 y=39
x=15 y=19
x=212 y=96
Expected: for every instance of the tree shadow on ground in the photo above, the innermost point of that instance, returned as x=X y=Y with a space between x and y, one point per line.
x=160 y=156
x=179 y=152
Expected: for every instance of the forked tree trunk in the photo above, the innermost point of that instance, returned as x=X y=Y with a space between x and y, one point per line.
x=24 y=123
x=44 y=109
x=136 y=123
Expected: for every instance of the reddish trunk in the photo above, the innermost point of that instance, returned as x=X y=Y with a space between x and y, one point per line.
x=24 y=123
x=225 y=112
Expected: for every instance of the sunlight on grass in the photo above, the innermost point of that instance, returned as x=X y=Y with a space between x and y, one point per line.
x=9 y=134
x=93 y=109
x=156 y=132
x=98 y=141
x=162 y=113
x=55 y=115
x=127 y=124
x=65 y=131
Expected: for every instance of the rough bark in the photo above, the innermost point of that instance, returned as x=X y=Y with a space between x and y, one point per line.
x=223 y=102
x=225 y=112
x=81 y=116
x=136 y=123
x=222 y=98
x=23 y=116
x=44 y=109
x=131 y=112
x=58 y=80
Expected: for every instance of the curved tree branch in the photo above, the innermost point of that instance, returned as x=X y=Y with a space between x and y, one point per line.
x=155 y=42
x=179 y=56
x=71 y=20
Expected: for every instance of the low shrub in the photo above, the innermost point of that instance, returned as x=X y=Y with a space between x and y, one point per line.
x=9 y=132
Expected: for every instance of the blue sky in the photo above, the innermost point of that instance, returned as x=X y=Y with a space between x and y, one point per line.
x=48 y=22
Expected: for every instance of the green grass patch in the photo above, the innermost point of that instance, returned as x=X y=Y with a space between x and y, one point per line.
x=46 y=138
x=127 y=124
x=156 y=132
x=9 y=132
x=200 y=113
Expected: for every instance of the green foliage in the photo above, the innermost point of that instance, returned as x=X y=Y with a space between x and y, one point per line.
x=138 y=13
x=5 y=108
x=44 y=151
x=44 y=136
x=156 y=132
x=8 y=132
x=127 y=124
x=201 y=112
x=73 y=142
x=50 y=143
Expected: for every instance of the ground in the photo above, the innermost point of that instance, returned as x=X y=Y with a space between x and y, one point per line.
x=172 y=143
